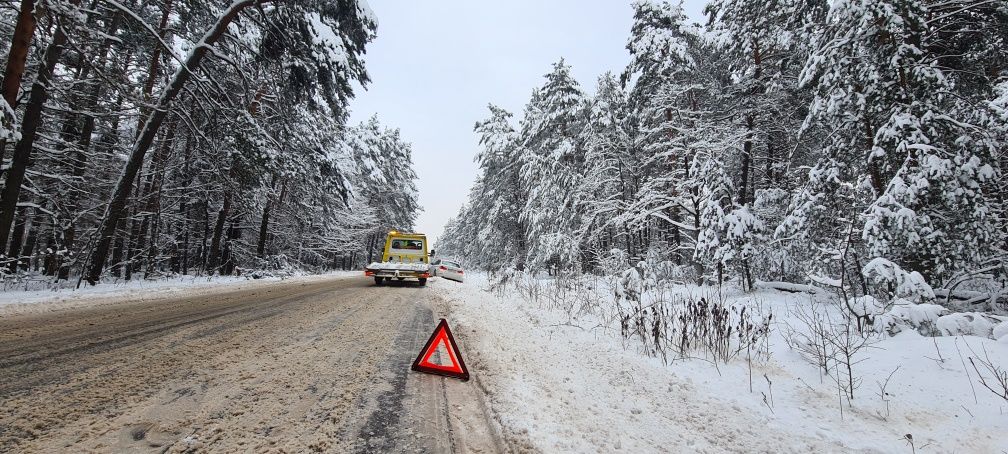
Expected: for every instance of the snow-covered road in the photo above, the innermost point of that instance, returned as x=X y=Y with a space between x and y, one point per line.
x=300 y=366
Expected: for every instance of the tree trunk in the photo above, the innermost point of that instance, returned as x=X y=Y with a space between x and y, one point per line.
x=117 y=250
x=264 y=226
x=184 y=210
x=143 y=142
x=155 y=221
x=769 y=164
x=17 y=236
x=215 y=243
x=206 y=233
x=228 y=264
x=698 y=267
x=29 y=130
x=155 y=66
x=743 y=190
x=51 y=264
x=747 y=280
x=63 y=261
x=152 y=250
x=27 y=251
x=185 y=239
x=134 y=234
x=16 y=59
x=874 y=167
x=18 y=56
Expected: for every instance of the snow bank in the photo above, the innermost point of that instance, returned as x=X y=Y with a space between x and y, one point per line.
x=1000 y=332
x=966 y=324
x=903 y=315
x=930 y=320
x=568 y=383
x=866 y=305
x=13 y=302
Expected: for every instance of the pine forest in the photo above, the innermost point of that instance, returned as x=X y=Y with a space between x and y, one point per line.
x=857 y=145
x=174 y=137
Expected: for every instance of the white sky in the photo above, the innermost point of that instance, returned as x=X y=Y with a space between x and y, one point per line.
x=437 y=64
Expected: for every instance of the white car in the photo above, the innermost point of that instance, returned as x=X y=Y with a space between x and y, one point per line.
x=448 y=270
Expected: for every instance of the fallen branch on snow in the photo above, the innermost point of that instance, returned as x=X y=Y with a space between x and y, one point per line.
x=789 y=287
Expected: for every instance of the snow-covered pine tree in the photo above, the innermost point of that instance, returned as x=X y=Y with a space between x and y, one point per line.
x=765 y=44
x=729 y=234
x=552 y=168
x=499 y=196
x=606 y=187
x=679 y=111
x=661 y=81
x=919 y=172
x=386 y=179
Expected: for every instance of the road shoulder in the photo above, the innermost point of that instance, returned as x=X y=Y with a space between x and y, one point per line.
x=475 y=425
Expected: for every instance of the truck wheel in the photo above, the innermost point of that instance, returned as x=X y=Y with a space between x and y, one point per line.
x=378 y=280
x=423 y=282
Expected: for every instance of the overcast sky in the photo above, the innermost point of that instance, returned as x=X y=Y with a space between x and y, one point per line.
x=437 y=64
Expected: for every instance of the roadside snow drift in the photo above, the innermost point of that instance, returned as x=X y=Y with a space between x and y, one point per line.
x=564 y=383
x=13 y=301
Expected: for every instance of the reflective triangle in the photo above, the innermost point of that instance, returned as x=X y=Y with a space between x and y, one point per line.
x=441 y=336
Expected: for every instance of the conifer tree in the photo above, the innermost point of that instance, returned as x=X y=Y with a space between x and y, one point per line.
x=551 y=168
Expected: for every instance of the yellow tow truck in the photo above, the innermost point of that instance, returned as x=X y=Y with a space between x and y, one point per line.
x=405 y=257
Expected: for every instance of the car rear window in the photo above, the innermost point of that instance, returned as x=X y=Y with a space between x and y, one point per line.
x=409 y=245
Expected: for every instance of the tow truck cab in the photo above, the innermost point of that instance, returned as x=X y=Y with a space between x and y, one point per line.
x=404 y=257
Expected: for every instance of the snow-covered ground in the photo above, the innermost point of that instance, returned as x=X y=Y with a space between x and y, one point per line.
x=565 y=384
x=14 y=301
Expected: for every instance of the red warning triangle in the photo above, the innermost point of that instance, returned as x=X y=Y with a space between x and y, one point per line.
x=442 y=336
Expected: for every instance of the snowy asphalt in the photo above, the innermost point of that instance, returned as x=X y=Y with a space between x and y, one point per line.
x=287 y=367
